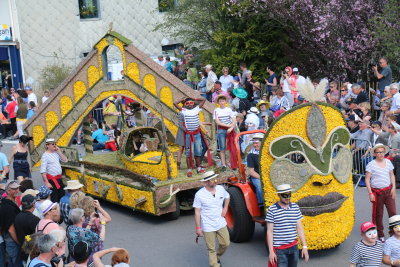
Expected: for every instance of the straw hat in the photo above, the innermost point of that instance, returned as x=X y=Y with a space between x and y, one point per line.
x=394 y=220
x=263 y=102
x=253 y=110
x=208 y=176
x=30 y=192
x=220 y=96
x=73 y=185
x=283 y=188
x=258 y=137
x=381 y=145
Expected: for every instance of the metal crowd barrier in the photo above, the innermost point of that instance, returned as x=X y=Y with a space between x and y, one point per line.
x=361 y=158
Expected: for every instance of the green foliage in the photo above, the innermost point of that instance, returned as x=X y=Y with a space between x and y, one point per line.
x=165 y=5
x=53 y=75
x=226 y=39
x=386 y=30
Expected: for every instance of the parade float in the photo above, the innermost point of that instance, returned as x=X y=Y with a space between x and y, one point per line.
x=308 y=148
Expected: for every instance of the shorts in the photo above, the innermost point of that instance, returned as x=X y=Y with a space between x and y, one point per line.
x=221 y=139
x=197 y=145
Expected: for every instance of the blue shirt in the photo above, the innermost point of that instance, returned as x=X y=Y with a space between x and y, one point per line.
x=3 y=161
x=99 y=136
x=271 y=80
x=168 y=66
x=30 y=113
x=64 y=206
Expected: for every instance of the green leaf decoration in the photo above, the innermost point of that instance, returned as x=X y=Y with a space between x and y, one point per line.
x=316 y=126
x=342 y=165
x=104 y=190
x=320 y=157
x=120 y=194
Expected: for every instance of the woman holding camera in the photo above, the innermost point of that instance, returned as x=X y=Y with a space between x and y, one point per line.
x=89 y=205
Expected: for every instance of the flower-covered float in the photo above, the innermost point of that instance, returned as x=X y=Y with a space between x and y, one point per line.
x=308 y=147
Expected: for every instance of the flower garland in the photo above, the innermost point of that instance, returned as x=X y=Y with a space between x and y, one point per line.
x=79 y=90
x=166 y=97
x=339 y=222
x=93 y=75
x=51 y=120
x=121 y=45
x=37 y=134
x=65 y=105
x=133 y=72
x=130 y=194
x=149 y=82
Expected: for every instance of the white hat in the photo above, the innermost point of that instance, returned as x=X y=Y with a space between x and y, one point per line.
x=283 y=188
x=30 y=192
x=253 y=110
x=50 y=140
x=258 y=137
x=208 y=176
x=73 y=185
x=295 y=69
x=394 y=220
x=46 y=206
x=395 y=125
x=381 y=145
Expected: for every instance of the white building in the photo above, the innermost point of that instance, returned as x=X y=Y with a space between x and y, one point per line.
x=44 y=32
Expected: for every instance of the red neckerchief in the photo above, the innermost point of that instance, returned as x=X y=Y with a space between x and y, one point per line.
x=230 y=145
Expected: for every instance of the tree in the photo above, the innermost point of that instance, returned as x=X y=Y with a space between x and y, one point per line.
x=226 y=39
x=53 y=75
x=385 y=28
x=328 y=38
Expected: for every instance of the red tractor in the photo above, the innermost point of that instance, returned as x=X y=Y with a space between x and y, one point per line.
x=243 y=210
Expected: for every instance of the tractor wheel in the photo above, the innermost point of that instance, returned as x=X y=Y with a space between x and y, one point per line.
x=239 y=221
x=175 y=214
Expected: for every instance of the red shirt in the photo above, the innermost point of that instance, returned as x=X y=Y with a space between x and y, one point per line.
x=10 y=108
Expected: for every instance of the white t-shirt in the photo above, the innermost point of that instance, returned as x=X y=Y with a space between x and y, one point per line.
x=44 y=99
x=285 y=87
x=191 y=117
x=226 y=82
x=380 y=177
x=301 y=79
x=252 y=121
x=211 y=208
x=32 y=97
x=395 y=102
x=224 y=115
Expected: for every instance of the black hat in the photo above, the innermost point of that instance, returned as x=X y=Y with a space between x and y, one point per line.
x=351 y=118
x=377 y=123
x=28 y=201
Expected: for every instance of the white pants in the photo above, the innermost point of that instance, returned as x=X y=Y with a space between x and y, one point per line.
x=20 y=127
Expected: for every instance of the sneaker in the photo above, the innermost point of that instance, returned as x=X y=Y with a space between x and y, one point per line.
x=189 y=173
x=201 y=170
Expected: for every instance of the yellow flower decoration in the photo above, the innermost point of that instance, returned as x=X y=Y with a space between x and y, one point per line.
x=65 y=105
x=166 y=96
x=100 y=47
x=130 y=193
x=339 y=222
x=79 y=90
x=133 y=72
x=121 y=45
x=28 y=238
x=93 y=75
x=67 y=136
x=51 y=120
x=37 y=134
x=149 y=82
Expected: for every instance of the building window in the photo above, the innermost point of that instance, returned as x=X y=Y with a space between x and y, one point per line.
x=88 y=9
x=166 y=5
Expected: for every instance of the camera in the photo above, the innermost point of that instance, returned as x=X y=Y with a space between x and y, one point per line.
x=55 y=260
x=372 y=64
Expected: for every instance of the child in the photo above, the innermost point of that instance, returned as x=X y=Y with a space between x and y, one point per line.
x=193 y=133
x=226 y=121
x=368 y=251
x=391 y=248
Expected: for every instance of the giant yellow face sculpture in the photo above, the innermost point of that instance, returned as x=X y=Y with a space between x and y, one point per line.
x=321 y=179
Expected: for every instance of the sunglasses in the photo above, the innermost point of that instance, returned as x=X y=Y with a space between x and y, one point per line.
x=343 y=90
x=286 y=195
x=380 y=152
x=188 y=103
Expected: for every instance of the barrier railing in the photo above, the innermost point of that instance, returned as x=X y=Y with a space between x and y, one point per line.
x=361 y=157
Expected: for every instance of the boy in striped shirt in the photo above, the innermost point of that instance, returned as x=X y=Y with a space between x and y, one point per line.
x=368 y=251
x=193 y=134
x=283 y=225
x=226 y=121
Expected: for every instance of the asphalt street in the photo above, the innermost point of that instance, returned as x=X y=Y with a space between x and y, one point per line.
x=152 y=241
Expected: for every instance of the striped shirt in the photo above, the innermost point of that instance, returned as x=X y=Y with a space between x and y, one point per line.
x=392 y=248
x=380 y=177
x=364 y=255
x=224 y=115
x=192 y=119
x=51 y=163
x=285 y=223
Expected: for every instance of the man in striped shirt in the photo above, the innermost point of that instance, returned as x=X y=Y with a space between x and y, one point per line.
x=193 y=134
x=283 y=225
x=51 y=170
x=368 y=251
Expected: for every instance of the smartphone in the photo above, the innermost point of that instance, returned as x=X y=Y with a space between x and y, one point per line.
x=96 y=213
